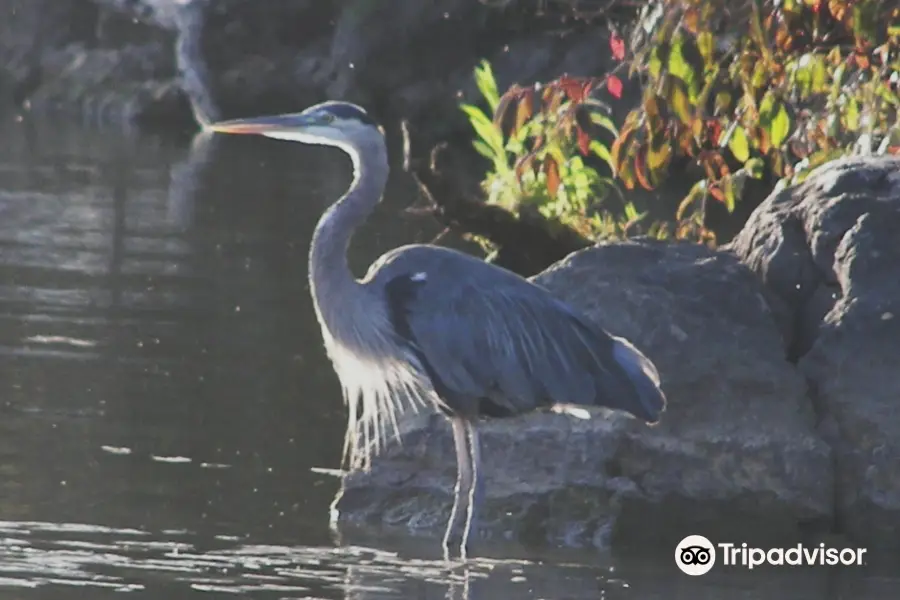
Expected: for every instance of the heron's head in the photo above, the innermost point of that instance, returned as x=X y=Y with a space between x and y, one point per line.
x=329 y=123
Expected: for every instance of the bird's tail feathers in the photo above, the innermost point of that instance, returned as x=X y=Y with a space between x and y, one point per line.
x=643 y=377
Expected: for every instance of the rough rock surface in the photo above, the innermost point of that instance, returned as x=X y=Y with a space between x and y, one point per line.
x=736 y=453
x=828 y=251
x=76 y=57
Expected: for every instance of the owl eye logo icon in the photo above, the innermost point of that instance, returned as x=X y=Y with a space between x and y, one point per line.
x=695 y=555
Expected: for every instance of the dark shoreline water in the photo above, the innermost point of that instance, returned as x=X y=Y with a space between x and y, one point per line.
x=164 y=393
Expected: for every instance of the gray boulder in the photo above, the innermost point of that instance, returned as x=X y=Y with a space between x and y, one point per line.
x=828 y=252
x=736 y=454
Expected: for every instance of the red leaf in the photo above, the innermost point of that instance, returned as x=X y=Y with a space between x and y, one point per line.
x=551 y=170
x=617 y=45
x=525 y=109
x=640 y=169
x=524 y=163
x=572 y=87
x=584 y=141
x=586 y=88
x=505 y=100
x=614 y=85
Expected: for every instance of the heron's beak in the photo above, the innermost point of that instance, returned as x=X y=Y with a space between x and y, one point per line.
x=264 y=125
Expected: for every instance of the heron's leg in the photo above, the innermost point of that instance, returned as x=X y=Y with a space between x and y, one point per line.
x=463 y=479
x=475 y=488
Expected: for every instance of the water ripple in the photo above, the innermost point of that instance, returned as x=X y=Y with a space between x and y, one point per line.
x=38 y=554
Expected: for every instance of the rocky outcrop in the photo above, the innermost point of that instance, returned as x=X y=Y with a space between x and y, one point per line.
x=76 y=57
x=136 y=61
x=736 y=453
x=781 y=373
x=827 y=251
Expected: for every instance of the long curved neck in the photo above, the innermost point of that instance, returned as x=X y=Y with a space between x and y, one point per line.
x=330 y=277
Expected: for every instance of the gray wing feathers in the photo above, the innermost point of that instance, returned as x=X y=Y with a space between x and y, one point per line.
x=515 y=345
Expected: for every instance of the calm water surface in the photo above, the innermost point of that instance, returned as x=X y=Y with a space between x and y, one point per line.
x=164 y=393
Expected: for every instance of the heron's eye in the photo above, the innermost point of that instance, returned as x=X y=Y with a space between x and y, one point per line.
x=327 y=118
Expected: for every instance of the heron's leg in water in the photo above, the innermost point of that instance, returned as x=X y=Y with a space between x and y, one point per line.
x=475 y=489
x=463 y=480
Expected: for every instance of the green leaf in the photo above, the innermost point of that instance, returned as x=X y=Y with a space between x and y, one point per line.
x=603 y=154
x=775 y=119
x=659 y=154
x=727 y=184
x=706 y=45
x=755 y=168
x=680 y=100
x=697 y=192
x=766 y=108
x=781 y=126
x=556 y=152
x=625 y=173
x=580 y=179
x=630 y=211
x=484 y=128
x=483 y=149
x=851 y=114
x=810 y=74
x=604 y=121
x=760 y=77
x=819 y=74
x=723 y=103
x=487 y=84
x=802 y=75
x=886 y=94
x=680 y=67
x=739 y=144
x=733 y=186
x=712 y=76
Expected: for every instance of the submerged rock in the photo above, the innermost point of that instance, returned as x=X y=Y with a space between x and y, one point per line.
x=736 y=454
x=827 y=249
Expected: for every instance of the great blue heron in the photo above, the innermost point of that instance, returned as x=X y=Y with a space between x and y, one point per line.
x=432 y=326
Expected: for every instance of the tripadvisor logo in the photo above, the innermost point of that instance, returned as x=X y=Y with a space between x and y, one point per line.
x=696 y=555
